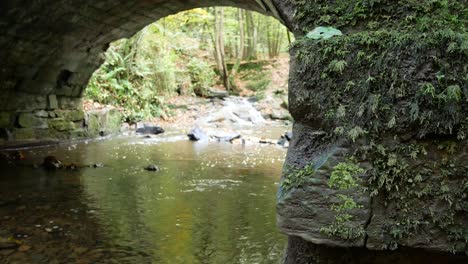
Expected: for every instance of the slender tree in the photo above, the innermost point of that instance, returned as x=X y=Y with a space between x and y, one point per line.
x=219 y=46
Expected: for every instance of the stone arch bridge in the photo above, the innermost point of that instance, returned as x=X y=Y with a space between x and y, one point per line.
x=383 y=107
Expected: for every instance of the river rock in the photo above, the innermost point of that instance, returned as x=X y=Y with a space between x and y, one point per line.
x=7 y=244
x=152 y=168
x=214 y=93
x=97 y=165
x=227 y=138
x=280 y=114
x=155 y=130
x=282 y=141
x=24 y=248
x=51 y=163
x=285 y=139
x=197 y=134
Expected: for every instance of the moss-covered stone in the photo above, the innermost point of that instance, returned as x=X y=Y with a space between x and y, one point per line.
x=61 y=124
x=5 y=119
x=71 y=115
x=52 y=102
x=23 y=134
x=30 y=120
x=419 y=15
x=382 y=94
x=107 y=121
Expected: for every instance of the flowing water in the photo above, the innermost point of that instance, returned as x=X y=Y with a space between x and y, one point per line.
x=210 y=203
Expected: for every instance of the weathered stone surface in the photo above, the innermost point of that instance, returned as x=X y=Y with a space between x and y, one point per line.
x=52 y=102
x=41 y=113
x=197 y=134
x=16 y=101
x=22 y=134
x=5 y=119
x=305 y=211
x=280 y=114
x=30 y=120
x=103 y=122
x=150 y=129
x=61 y=124
x=299 y=251
x=70 y=103
x=71 y=115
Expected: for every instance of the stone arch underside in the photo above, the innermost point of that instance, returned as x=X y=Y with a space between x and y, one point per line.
x=49 y=50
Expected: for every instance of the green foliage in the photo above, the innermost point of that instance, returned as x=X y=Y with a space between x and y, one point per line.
x=259 y=85
x=337 y=65
x=405 y=178
x=173 y=54
x=343 y=227
x=296 y=177
x=343 y=176
x=405 y=75
x=202 y=76
x=422 y=15
x=334 y=69
x=125 y=82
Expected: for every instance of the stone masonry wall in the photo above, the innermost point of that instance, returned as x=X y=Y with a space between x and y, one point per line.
x=49 y=49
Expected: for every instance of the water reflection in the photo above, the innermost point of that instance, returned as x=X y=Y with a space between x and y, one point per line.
x=212 y=203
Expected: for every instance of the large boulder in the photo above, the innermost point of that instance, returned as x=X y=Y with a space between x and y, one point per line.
x=378 y=158
x=150 y=129
x=197 y=134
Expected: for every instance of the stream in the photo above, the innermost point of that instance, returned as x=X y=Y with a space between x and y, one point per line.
x=210 y=202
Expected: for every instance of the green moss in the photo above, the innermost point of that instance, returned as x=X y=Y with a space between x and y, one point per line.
x=61 y=124
x=405 y=179
x=5 y=119
x=422 y=15
x=296 y=177
x=343 y=227
x=23 y=134
x=343 y=176
x=399 y=71
x=368 y=72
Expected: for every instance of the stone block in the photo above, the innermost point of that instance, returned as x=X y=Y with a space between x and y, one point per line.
x=61 y=124
x=30 y=120
x=70 y=115
x=41 y=113
x=52 y=102
x=23 y=134
x=103 y=122
x=5 y=119
x=70 y=102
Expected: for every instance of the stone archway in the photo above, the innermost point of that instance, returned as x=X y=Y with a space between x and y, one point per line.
x=387 y=103
x=50 y=49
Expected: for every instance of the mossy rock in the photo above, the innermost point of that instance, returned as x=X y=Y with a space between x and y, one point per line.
x=5 y=119
x=61 y=124
x=105 y=121
x=70 y=115
x=30 y=120
x=23 y=134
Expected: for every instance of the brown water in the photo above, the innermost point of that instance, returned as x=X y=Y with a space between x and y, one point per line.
x=210 y=203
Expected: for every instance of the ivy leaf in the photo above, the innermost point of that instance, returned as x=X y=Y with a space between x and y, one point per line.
x=324 y=33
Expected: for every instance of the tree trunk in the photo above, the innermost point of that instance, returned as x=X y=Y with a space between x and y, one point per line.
x=240 y=49
x=252 y=36
x=219 y=46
